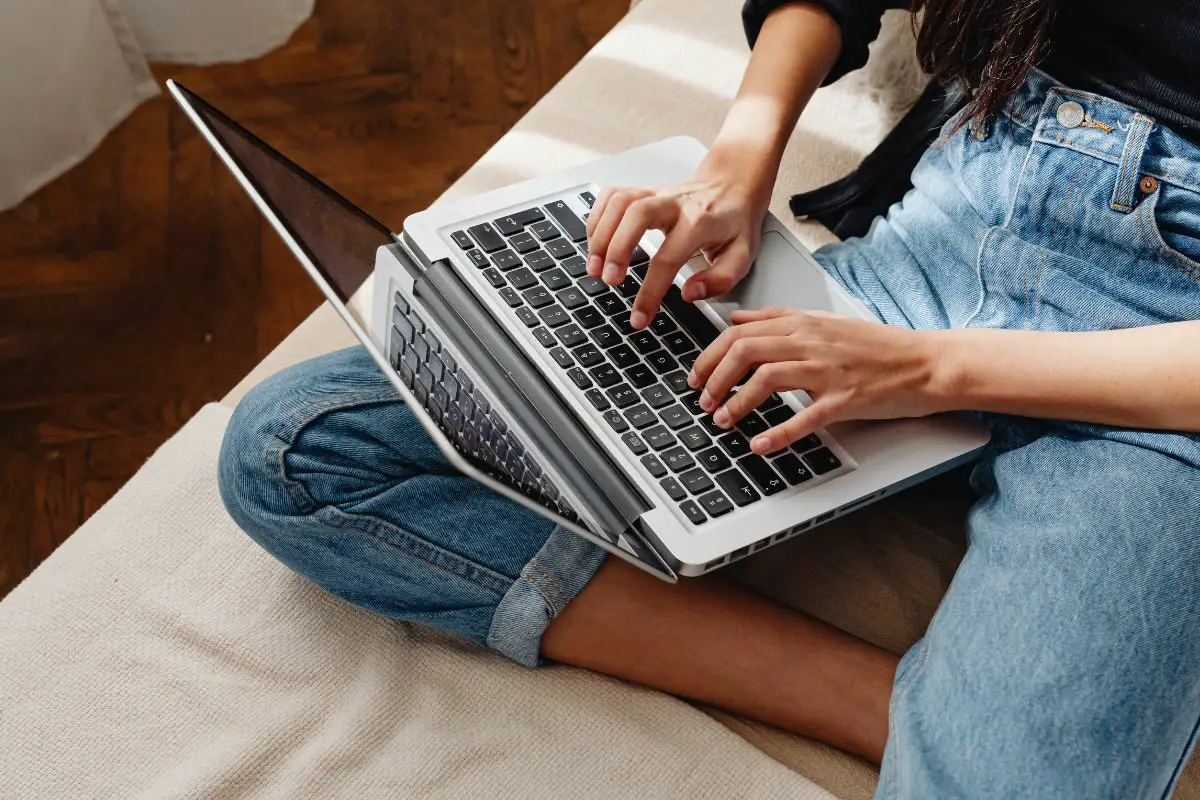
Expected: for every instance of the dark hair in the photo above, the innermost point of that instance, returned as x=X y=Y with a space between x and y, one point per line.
x=987 y=46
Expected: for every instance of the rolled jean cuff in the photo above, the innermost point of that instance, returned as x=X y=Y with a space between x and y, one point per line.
x=559 y=571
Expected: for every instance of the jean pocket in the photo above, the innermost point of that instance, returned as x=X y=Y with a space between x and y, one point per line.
x=1169 y=222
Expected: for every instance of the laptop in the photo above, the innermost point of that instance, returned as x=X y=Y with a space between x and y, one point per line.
x=527 y=375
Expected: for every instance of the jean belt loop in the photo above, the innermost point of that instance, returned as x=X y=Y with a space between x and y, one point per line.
x=1128 y=170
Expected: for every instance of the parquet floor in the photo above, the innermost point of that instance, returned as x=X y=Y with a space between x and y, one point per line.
x=142 y=285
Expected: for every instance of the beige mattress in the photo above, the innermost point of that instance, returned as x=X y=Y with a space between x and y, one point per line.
x=160 y=653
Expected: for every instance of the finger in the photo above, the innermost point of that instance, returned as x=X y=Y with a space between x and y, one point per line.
x=677 y=248
x=728 y=267
x=606 y=226
x=773 y=377
x=742 y=356
x=707 y=361
x=818 y=415
x=757 y=314
x=649 y=212
x=598 y=209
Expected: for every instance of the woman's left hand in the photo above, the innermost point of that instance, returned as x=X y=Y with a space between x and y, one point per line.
x=853 y=369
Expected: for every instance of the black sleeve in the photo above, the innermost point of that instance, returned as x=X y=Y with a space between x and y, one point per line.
x=858 y=19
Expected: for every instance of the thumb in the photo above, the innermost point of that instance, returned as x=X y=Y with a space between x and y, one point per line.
x=729 y=266
x=818 y=415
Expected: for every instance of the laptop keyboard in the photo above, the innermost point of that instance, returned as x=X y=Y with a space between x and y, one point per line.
x=535 y=259
x=462 y=411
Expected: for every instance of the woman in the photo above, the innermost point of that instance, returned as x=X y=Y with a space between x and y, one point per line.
x=1045 y=270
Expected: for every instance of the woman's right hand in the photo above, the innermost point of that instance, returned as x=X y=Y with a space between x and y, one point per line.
x=719 y=212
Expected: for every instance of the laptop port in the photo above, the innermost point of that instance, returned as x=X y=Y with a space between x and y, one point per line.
x=741 y=551
x=759 y=545
x=716 y=562
x=828 y=515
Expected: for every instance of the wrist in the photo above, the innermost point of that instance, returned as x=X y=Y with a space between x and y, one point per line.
x=949 y=366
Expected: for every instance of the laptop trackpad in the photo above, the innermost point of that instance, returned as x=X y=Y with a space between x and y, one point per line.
x=785 y=276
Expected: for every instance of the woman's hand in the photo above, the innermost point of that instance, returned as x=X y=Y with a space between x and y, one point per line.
x=853 y=369
x=719 y=212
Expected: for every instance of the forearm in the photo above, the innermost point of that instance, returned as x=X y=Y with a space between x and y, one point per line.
x=1137 y=377
x=797 y=47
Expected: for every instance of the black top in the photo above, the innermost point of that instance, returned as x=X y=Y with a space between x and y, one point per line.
x=1145 y=54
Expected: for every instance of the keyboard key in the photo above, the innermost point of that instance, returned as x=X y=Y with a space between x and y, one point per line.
x=400 y=303
x=772 y=401
x=514 y=222
x=737 y=487
x=807 y=443
x=713 y=460
x=792 y=468
x=478 y=258
x=676 y=417
x=653 y=465
x=609 y=303
x=605 y=336
x=544 y=230
x=641 y=270
x=640 y=376
x=522 y=278
x=716 y=503
x=640 y=416
x=687 y=360
x=621 y=323
x=659 y=437
x=622 y=395
x=575 y=266
x=628 y=288
x=579 y=378
x=677 y=382
x=562 y=357
x=638 y=256
x=662 y=324
x=556 y=279
x=573 y=226
x=644 y=341
x=510 y=296
x=766 y=479
x=696 y=481
x=691 y=401
x=523 y=243
x=623 y=356
x=690 y=318
x=560 y=248
x=462 y=240
x=606 y=375
x=778 y=416
x=616 y=421
x=597 y=399
x=593 y=286
x=537 y=297
x=693 y=512
x=634 y=443
x=677 y=459
x=554 y=316
x=570 y=334
x=657 y=395
x=572 y=298
x=735 y=444
x=673 y=489
x=822 y=460
x=539 y=260
x=544 y=337
x=694 y=438
x=587 y=316
x=588 y=198
x=678 y=342
x=752 y=425
x=506 y=259
x=487 y=237
x=588 y=355
x=493 y=276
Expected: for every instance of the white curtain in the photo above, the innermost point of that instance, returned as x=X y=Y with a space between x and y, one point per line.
x=71 y=70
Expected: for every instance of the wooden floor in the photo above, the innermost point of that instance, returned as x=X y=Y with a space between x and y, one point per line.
x=142 y=284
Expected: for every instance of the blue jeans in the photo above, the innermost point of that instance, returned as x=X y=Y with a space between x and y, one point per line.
x=1065 y=659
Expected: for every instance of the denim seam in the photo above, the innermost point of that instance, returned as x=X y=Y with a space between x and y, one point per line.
x=547 y=586
x=405 y=541
x=1131 y=162
x=1074 y=193
x=1177 y=261
x=1184 y=758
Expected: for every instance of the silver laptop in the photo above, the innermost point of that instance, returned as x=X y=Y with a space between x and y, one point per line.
x=527 y=375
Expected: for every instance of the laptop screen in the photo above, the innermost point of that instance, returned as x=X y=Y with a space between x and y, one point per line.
x=338 y=236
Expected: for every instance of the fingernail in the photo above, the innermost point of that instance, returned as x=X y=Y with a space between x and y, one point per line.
x=761 y=444
x=637 y=319
x=595 y=263
x=693 y=380
x=706 y=401
x=612 y=273
x=721 y=417
x=699 y=292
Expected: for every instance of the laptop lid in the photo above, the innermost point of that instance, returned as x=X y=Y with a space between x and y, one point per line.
x=338 y=243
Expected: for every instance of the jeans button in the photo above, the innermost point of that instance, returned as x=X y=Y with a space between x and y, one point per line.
x=1070 y=114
